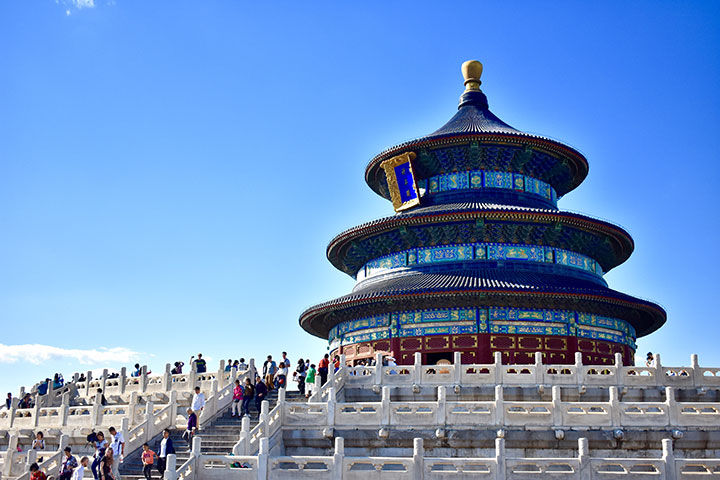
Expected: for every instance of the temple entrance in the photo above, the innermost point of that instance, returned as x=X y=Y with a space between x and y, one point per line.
x=436 y=357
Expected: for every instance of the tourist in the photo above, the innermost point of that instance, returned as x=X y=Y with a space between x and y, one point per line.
x=242 y=366
x=36 y=473
x=286 y=360
x=237 y=399
x=137 y=372
x=82 y=378
x=269 y=369
x=323 y=369
x=248 y=394
x=58 y=381
x=261 y=391
x=200 y=364
x=191 y=426
x=299 y=376
x=282 y=373
x=228 y=366
x=43 y=386
x=68 y=465
x=310 y=381
x=26 y=402
x=336 y=363
x=106 y=465
x=79 y=472
x=198 y=401
x=38 y=443
x=166 y=448
x=100 y=445
x=178 y=368
x=650 y=360
x=117 y=444
x=148 y=458
x=8 y=401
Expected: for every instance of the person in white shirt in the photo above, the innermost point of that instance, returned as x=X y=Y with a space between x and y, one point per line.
x=118 y=447
x=198 y=403
x=282 y=375
x=79 y=472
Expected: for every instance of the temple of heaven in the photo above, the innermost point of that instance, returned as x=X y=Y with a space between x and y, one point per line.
x=478 y=258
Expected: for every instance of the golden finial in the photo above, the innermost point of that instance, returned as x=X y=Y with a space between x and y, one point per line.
x=472 y=70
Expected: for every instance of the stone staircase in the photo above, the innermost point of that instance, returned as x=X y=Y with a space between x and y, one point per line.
x=218 y=438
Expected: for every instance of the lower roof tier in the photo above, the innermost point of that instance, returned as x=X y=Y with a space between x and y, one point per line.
x=472 y=222
x=476 y=287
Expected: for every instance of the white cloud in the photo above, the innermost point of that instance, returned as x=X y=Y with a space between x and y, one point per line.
x=84 y=3
x=37 y=354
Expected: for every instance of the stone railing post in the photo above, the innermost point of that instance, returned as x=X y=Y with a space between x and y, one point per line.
x=220 y=377
x=457 y=372
x=499 y=406
x=122 y=380
x=670 y=404
x=539 y=373
x=36 y=410
x=668 y=457
x=64 y=442
x=64 y=409
x=331 y=375
x=149 y=414
x=88 y=378
x=262 y=459
x=417 y=368
x=8 y=461
x=338 y=457
x=252 y=370
x=170 y=467
x=167 y=379
x=124 y=429
x=342 y=360
x=557 y=413
x=418 y=472
x=497 y=357
x=97 y=410
x=500 y=458
x=615 y=406
x=378 y=369
x=579 y=370
x=385 y=405
x=143 y=379
x=103 y=379
x=241 y=447
x=132 y=406
x=13 y=410
x=584 y=458
x=659 y=380
x=331 y=404
x=697 y=374
x=441 y=406
x=192 y=376
x=30 y=458
x=264 y=416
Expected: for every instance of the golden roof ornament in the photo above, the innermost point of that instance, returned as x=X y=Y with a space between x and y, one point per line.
x=472 y=71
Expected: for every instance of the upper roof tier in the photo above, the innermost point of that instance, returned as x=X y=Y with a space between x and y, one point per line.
x=476 y=139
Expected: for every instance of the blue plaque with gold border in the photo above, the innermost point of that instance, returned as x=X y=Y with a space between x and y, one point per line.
x=401 y=181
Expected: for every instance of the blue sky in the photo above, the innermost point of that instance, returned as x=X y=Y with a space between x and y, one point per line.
x=171 y=172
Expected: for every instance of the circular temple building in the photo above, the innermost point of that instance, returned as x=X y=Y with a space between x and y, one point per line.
x=478 y=258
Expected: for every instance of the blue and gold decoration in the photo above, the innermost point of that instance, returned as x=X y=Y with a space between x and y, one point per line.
x=401 y=181
x=495 y=320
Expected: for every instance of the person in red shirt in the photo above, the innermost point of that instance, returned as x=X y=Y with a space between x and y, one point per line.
x=148 y=458
x=323 y=369
x=36 y=473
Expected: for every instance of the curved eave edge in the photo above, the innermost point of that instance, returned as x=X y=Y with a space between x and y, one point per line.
x=581 y=165
x=336 y=246
x=656 y=312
